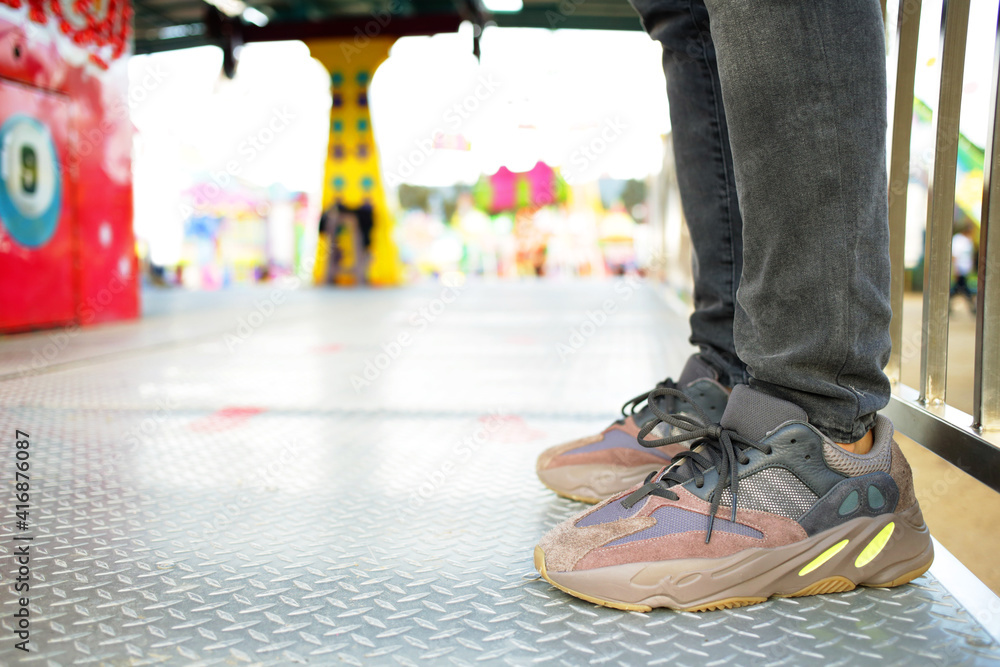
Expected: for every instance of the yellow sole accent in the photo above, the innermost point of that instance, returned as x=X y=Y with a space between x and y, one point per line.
x=728 y=603
x=874 y=548
x=835 y=584
x=624 y=606
x=823 y=557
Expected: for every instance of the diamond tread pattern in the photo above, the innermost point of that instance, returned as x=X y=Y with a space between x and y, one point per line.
x=331 y=529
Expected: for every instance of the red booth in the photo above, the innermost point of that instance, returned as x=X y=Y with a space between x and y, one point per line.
x=67 y=253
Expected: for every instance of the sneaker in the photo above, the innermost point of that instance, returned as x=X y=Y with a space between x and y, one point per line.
x=763 y=505
x=593 y=468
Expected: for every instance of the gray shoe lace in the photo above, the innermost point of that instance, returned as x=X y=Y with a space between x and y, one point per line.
x=632 y=405
x=712 y=446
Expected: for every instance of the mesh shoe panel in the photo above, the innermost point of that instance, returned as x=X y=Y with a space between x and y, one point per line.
x=774 y=490
x=613 y=511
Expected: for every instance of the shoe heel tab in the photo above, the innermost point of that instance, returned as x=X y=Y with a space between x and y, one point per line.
x=849 y=464
x=902 y=474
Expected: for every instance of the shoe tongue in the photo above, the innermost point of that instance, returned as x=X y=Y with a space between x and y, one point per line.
x=695 y=369
x=753 y=414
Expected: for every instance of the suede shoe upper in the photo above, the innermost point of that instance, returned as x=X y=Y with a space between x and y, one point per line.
x=788 y=482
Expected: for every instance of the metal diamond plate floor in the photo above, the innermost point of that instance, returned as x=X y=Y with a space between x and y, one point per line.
x=278 y=492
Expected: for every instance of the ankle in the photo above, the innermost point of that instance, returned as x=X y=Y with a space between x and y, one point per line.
x=862 y=446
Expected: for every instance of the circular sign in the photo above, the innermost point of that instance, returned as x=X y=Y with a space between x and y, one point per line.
x=30 y=181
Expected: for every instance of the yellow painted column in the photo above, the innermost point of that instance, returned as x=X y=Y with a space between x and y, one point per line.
x=352 y=175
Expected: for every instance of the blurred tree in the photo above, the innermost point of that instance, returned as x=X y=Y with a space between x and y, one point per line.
x=414 y=197
x=633 y=194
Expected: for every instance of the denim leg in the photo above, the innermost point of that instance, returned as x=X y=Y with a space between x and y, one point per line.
x=704 y=173
x=805 y=94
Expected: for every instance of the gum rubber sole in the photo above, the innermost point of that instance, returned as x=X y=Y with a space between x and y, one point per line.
x=579 y=499
x=769 y=570
x=905 y=578
x=834 y=584
x=728 y=603
x=624 y=606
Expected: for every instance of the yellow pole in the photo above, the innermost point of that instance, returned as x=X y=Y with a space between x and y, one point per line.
x=352 y=175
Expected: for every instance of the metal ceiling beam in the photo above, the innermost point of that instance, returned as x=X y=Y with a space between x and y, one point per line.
x=552 y=18
x=347 y=26
x=442 y=16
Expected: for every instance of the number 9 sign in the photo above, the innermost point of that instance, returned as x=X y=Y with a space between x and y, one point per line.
x=30 y=182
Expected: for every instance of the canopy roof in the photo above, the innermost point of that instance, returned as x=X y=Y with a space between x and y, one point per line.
x=162 y=25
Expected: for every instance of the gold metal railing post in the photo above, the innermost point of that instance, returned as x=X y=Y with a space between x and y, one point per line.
x=986 y=390
x=907 y=31
x=941 y=205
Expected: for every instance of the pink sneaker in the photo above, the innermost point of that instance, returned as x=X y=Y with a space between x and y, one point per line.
x=599 y=466
x=763 y=505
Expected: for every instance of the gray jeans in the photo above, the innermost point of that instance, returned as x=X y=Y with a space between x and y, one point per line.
x=778 y=111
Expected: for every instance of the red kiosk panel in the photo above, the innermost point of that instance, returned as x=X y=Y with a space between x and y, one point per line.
x=36 y=209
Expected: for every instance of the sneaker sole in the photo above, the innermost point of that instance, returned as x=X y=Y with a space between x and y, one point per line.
x=594 y=482
x=863 y=552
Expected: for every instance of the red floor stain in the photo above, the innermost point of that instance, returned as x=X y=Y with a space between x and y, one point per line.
x=225 y=419
x=522 y=340
x=510 y=429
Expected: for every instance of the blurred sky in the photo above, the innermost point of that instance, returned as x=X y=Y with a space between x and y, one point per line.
x=591 y=102
x=537 y=94
x=978 y=63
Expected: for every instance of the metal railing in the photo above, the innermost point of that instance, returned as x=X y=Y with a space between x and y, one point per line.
x=971 y=442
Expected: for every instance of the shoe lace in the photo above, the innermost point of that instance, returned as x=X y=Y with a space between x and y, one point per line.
x=712 y=446
x=632 y=405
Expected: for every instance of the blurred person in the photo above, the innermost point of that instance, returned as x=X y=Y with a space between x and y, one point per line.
x=531 y=243
x=586 y=245
x=346 y=267
x=558 y=250
x=963 y=251
x=476 y=230
x=447 y=250
x=507 y=245
x=618 y=240
x=793 y=484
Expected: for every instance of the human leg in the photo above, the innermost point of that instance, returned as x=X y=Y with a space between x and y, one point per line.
x=604 y=464
x=804 y=89
x=769 y=504
x=705 y=173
